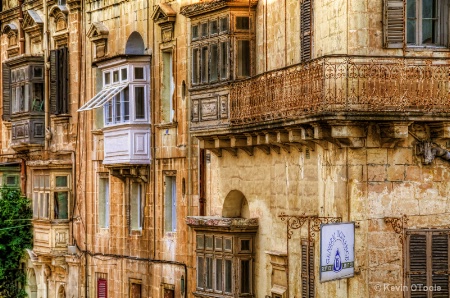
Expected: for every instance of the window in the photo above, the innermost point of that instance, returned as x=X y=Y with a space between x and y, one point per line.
x=416 y=23
x=213 y=27
x=170 y=204
x=136 y=199
x=194 y=32
x=124 y=99
x=103 y=202
x=204 y=66
x=305 y=29
x=427 y=264
x=242 y=23
x=27 y=89
x=41 y=195
x=167 y=88
x=195 y=66
x=10 y=180
x=426 y=22
x=55 y=186
x=218 y=263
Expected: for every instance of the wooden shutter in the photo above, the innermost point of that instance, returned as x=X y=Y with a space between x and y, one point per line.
x=135 y=290
x=417 y=269
x=439 y=263
x=102 y=288
x=53 y=81
x=306 y=29
x=307 y=269
x=62 y=81
x=394 y=24
x=6 y=80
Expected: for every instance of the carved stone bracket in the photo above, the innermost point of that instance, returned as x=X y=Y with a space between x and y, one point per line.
x=398 y=224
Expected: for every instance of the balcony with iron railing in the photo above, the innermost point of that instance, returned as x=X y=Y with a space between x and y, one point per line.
x=343 y=85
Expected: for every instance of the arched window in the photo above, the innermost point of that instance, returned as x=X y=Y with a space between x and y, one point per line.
x=135 y=44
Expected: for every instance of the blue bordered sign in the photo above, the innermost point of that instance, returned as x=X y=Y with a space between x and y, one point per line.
x=337 y=251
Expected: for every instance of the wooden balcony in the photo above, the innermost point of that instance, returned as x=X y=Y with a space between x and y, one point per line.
x=376 y=86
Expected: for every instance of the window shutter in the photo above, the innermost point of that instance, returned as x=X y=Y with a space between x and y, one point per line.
x=439 y=260
x=307 y=270
x=62 y=81
x=394 y=24
x=417 y=269
x=102 y=288
x=306 y=29
x=53 y=81
x=6 y=79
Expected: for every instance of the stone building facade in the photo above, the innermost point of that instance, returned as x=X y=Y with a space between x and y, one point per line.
x=194 y=148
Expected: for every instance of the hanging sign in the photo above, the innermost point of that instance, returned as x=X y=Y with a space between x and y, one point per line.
x=337 y=251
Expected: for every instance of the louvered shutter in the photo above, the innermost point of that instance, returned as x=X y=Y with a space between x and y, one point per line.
x=102 y=288
x=306 y=29
x=394 y=24
x=6 y=80
x=307 y=270
x=53 y=81
x=62 y=81
x=417 y=269
x=439 y=263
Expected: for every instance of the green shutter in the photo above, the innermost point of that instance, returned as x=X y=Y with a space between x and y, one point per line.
x=53 y=81
x=6 y=80
x=394 y=24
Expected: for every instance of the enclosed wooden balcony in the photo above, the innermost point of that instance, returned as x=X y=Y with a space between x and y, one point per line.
x=331 y=98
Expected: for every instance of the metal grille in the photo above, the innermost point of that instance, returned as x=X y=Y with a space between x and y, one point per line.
x=343 y=84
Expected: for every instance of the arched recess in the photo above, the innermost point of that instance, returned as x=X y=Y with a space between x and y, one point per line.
x=31 y=287
x=235 y=205
x=61 y=292
x=135 y=44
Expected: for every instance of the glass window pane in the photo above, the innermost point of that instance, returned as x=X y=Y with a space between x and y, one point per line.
x=209 y=273
x=60 y=207
x=223 y=23
x=124 y=73
x=428 y=8
x=213 y=26
x=209 y=242
x=103 y=202
x=243 y=23
x=245 y=276
x=214 y=62
x=200 y=272
x=218 y=244
x=109 y=112
x=200 y=242
x=228 y=275
x=117 y=109
x=243 y=57
x=245 y=244
x=411 y=9
x=139 y=102
x=115 y=76
x=219 y=275
x=195 y=66
x=35 y=205
x=138 y=73
x=37 y=72
x=61 y=181
x=46 y=181
x=227 y=245
x=107 y=79
x=136 y=197
x=204 y=66
x=194 y=31
x=204 y=29
x=125 y=95
x=223 y=60
x=37 y=97
x=429 y=29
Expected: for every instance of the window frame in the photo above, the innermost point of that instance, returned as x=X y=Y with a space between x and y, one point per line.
x=442 y=30
x=172 y=211
x=137 y=217
x=103 y=203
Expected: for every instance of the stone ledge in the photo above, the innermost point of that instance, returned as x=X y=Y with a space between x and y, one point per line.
x=215 y=222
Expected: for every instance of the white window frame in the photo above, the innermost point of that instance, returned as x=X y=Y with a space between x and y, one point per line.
x=136 y=208
x=103 y=201
x=170 y=204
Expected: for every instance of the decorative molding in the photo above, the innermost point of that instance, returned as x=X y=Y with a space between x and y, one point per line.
x=12 y=32
x=32 y=25
x=165 y=17
x=98 y=34
x=295 y=222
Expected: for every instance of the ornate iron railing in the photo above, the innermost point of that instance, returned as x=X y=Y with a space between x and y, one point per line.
x=343 y=84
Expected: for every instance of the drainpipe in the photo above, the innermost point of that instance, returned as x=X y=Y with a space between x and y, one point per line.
x=430 y=151
x=46 y=79
x=23 y=177
x=21 y=31
x=201 y=182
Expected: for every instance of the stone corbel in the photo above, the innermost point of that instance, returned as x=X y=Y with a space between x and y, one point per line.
x=297 y=139
x=440 y=130
x=392 y=133
x=74 y=5
x=241 y=143
x=211 y=146
x=263 y=146
x=225 y=144
x=349 y=134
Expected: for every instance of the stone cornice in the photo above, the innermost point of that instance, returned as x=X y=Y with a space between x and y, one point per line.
x=222 y=223
x=196 y=9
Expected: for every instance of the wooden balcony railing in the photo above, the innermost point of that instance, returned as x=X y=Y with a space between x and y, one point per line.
x=343 y=84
